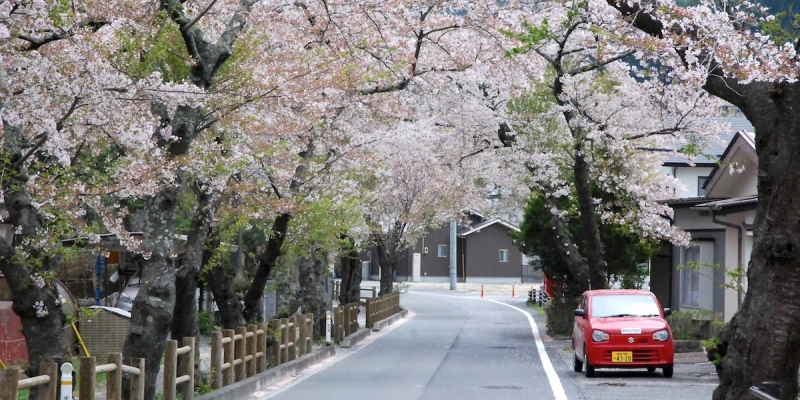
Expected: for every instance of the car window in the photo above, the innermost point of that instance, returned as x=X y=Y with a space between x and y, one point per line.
x=635 y=305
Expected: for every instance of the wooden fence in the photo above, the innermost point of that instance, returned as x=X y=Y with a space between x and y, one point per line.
x=345 y=321
x=382 y=307
x=10 y=382
x=243 y=352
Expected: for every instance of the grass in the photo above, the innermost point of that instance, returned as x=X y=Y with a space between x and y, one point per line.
x=539 y=309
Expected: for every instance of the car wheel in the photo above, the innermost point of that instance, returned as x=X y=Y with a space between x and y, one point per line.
x=589 y=371
x=577 y=365
x=667 y=371
x=651 y=369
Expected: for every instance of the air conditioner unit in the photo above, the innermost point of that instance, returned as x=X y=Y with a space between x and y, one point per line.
x=424 y=250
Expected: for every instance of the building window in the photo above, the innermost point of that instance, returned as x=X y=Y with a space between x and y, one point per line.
x=442 y=250
x=691 y=277
x=503 y=255
x=701 y=180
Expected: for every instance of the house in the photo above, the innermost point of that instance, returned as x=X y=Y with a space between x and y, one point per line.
x=719 y=215
x=485 y=253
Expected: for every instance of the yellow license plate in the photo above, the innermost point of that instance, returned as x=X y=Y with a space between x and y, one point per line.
x=621 y=356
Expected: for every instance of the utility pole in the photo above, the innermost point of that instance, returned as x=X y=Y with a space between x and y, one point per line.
x=453 y=255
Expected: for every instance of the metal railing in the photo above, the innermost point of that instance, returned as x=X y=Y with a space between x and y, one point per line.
x=768 y=391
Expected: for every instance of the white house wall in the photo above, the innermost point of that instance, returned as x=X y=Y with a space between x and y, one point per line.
x=689 y=220
x=688 y=176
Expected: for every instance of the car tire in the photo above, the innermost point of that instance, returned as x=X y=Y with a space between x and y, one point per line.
x=589 y=369
x=577 y=365
x=651 y=369
x=668 y=371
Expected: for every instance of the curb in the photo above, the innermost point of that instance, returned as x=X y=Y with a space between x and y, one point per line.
x=354 y=338
x=388 y=321
x=244 y=389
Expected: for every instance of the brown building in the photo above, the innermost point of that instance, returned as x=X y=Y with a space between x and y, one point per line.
x=485 y=253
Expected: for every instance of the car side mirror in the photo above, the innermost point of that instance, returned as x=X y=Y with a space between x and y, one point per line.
x=667 y=312
x=580 y=313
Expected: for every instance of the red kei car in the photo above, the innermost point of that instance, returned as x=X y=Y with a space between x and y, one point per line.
x=621 y=328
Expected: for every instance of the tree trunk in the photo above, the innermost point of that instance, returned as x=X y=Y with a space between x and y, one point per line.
x=350 y=288
x=387 y=263
x=38 y=307
x=266 y=262
x=220 y=282
x=312 y=277
x=762 y=341
x=151 y=315
x=592 y=245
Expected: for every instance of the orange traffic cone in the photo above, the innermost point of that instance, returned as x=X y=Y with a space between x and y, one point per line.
x=481 y=290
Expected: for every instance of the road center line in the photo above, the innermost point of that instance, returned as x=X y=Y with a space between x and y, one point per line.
x=552 y=376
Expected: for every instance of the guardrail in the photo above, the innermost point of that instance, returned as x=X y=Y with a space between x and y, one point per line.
x=382 y=307
x=11 y=384
x=768 y=391
x=538 y=296
x=345 y=321
x=337 y=290
x=237 y=354
x=114 y=369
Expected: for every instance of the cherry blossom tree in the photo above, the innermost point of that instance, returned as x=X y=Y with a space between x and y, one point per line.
x=601 y=102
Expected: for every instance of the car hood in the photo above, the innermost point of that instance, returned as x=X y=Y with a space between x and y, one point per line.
x=615 y=325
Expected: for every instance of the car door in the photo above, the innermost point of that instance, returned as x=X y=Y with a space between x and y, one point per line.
x=579 y=328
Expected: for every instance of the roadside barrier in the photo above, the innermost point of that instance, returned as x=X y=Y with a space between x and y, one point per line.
x=382 y=307
x=538 y=296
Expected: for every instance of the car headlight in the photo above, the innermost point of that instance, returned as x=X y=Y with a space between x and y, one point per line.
x=599 y=336
x=661 y=336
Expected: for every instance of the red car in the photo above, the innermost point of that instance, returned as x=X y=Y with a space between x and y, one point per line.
x=621 y=328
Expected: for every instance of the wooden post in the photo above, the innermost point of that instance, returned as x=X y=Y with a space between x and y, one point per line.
x=310 y=331
x=50 y=390
x=170 y=369
x=251 y=349
x=114 y=378
x=137 y=383
x=284 y=339
x=187 y=388
x=275 y=328
x=261 y=366
x=9 y=383
x=240 y=351
x=347 y=325
x=216 y=360
x=370 y=304
x=293 y=338
x=87 y=378
x=301 y=341
x=227 y=375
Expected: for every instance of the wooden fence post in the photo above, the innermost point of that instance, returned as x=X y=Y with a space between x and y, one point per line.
x=87 y=378
x=261 y=345
x=187 y=388
x=301 y=341
x=170 y=369
x=310 y=333
x=9 y=383
x=50 y=390
x=240 y=350
x=252 y=332
x=275 y=328
x=229 y=346
x=114 y=378
x=216 y=360
x=284 y=340
x=292 y=329
x=137 y=383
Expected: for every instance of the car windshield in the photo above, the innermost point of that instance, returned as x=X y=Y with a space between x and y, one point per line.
x=628 y=305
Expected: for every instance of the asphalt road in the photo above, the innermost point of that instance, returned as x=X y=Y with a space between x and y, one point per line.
x=456 y=345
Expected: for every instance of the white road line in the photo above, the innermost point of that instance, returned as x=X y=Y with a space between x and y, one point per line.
x=552 y=376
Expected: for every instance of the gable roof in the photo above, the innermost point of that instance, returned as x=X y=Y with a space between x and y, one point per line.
x=742 y=143
x=713 y=151
x=483 y=224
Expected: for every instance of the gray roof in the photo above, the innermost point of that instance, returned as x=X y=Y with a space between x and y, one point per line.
x=729 y=206
x=714 y=148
